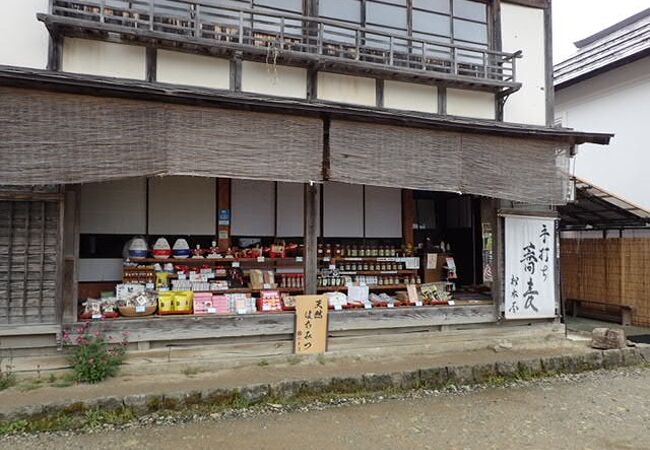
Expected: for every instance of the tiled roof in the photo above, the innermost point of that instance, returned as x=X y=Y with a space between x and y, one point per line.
x=609 y=48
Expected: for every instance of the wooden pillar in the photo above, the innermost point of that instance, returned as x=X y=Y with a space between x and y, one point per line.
x=223 y=203
x=408 y=217
x=312 y=219
x=70 y=251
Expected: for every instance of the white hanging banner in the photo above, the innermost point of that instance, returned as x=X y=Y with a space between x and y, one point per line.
x=530 y=268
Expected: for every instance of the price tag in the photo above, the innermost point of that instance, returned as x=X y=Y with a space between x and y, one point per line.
x=338 y=307
x=451 y=303
x=391 y=305
x=235 y=263
x=266 y=286
x=182 y=276
x=367 y=305
x=242 y=311
x=298 y=258
x=418 y=303
x=97 y=316
x=140 y=309
x=212 y=310
x=150 y=286
x=266 y=307
x=260 y=259
x=326 y=259
x=332 y=266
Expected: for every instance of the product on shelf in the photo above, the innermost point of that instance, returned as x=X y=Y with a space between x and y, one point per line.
x=141 y=304
x=138 y=248
x=161 y=249
x=99 y=308
x=181 y=249
x=269 y=301
x=175 y=302
x=336 y=300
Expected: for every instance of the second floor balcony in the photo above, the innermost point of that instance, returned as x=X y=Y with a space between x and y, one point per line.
x=226 y=28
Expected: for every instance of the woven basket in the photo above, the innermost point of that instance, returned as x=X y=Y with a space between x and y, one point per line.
x=129 y=311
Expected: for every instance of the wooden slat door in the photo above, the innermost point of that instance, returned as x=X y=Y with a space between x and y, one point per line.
x=29 y=260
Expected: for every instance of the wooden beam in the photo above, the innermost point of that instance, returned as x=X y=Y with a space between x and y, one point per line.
x=408 y=217
x=548 y=66
x=379 y=92
x=442 y=100
x=151 y=64
x=55 y=53
x=70 y=249
x=235 y=72
x=312 y=219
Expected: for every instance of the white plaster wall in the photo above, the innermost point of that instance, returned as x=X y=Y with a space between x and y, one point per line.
x=23 y=39
x=522 y=28
x=105 y=269
x=103 y=58
x=475 y=104
x=342 y=210
x=193 y=70
x=182 y=205
x=290 y=211
x=283 y=81
x=616 y=102
x=114 y=207
x=252 y=208
x=383 y=212
x=335 y=87
x=410 y=96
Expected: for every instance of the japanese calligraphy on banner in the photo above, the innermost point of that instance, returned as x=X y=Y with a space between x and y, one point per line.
x=530 y=267
x=311 y=324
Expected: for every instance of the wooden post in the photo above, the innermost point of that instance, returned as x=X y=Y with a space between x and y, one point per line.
x=408 y=217
x=312 y=219
x=223 y=202
x=70 y=250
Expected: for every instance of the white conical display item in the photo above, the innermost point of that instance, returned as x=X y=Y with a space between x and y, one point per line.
x=138 y=248
x=161 y=249
x=181 y=249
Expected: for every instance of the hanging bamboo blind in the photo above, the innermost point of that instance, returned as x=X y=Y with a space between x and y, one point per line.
x=614 y=271
x=55 y=138
x=526 y=170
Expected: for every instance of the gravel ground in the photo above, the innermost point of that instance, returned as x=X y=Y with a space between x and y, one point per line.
x=603 y=409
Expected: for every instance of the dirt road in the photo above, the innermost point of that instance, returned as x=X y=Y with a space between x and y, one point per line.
x=595 y=410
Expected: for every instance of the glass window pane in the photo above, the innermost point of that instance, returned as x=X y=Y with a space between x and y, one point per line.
x=282 y=5
x=426 y=22
x=470 y=31
x=348 y=10
x=386 y=15
x=432 y=5
x=467 y=9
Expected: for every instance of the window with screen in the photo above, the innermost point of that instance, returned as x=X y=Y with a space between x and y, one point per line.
x=449 y=21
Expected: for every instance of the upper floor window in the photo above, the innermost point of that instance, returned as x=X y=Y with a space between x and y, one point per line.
x=450 y=21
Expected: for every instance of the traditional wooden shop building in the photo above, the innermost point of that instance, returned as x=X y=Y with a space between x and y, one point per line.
x=363 y=147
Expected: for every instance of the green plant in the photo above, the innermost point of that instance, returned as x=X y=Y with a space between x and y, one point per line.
x=92 y=357
x=263 y=363
x=7 y=377
x=190 y=371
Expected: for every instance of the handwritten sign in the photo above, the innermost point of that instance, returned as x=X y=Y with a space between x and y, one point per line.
x=530 y=268
x=311 y=324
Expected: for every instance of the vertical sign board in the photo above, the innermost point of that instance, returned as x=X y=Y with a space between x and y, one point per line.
x=530 y=267
x=311 y=324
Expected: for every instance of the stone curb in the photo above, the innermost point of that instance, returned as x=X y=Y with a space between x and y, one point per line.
x=435 y=377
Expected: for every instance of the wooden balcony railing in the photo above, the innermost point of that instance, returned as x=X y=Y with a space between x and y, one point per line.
x=298 y=39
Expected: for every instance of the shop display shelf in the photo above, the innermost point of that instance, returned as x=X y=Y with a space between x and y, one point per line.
x=253 y=291
x=377 y=287
x=378 y=272
x=218 y=261
x=362 y=258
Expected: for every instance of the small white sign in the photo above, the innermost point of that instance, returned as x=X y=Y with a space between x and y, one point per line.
x=260 y=259
x=367 y=305
x=212 y=310
x=298 y=258
x=338 y=307
x=418 y=303
x=267 y=286
x=182 y=276
x=242 y=311
x=235 y=263
x=97 y=316
x=140 y=308
x=451 y=303
x=332 y=266
x=266 y=307
x=390 y=305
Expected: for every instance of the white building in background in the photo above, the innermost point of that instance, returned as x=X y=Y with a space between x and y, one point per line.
x=606 y=86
